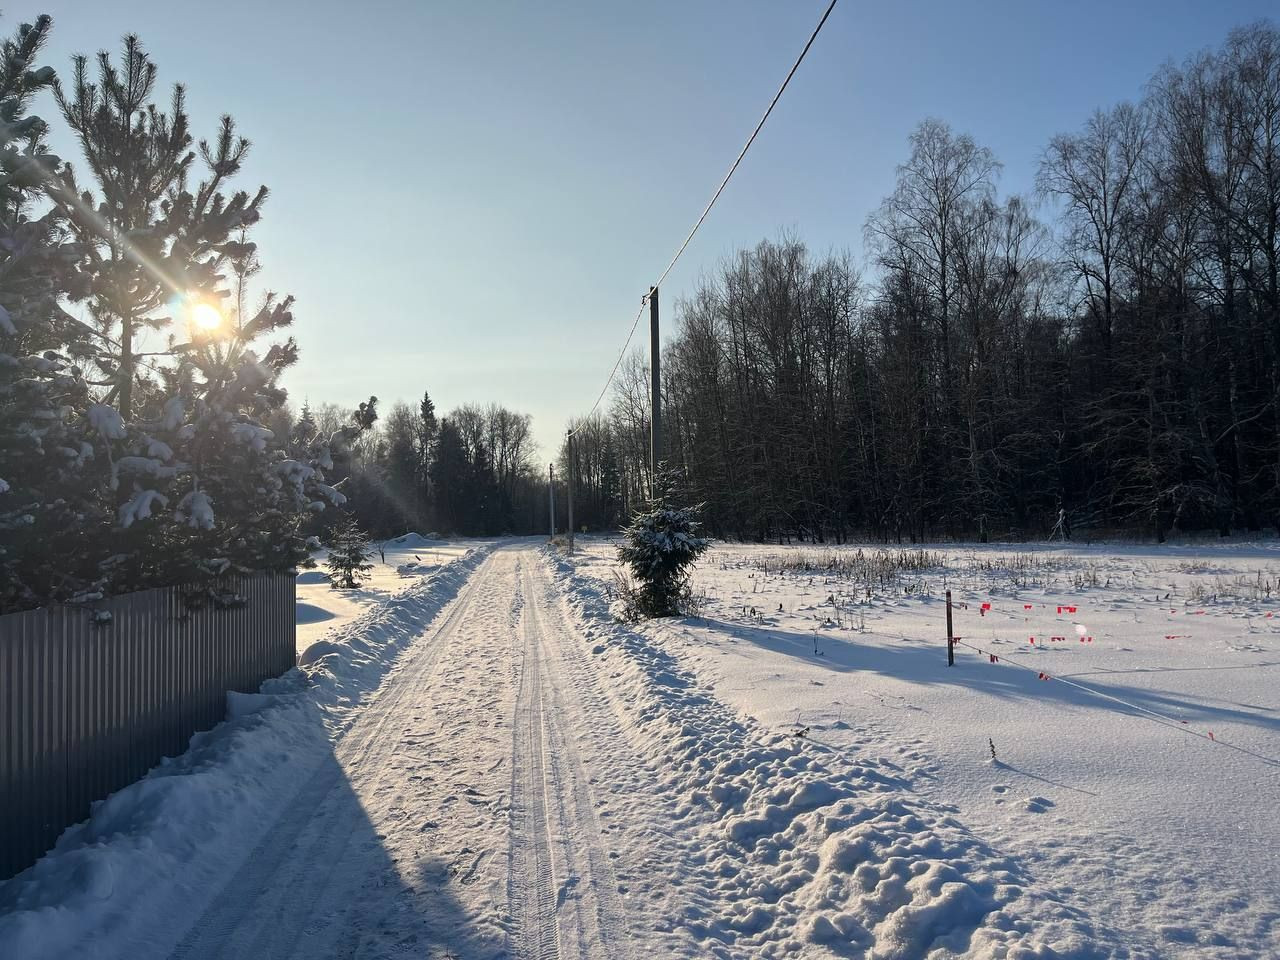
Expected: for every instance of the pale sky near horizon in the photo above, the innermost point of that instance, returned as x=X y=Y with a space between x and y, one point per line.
x=471 y=198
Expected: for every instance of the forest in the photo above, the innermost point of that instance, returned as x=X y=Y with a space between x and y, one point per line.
x=1100 y=357
x=470 y=472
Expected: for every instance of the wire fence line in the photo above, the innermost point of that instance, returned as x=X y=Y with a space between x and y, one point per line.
x=1164 y=719
x=707 y=209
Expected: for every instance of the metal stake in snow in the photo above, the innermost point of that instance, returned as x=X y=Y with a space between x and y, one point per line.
x=951 y=643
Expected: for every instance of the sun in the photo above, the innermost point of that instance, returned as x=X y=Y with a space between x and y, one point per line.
x=206 y=316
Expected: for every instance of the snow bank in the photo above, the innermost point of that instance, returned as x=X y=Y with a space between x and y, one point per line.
x=310 y=613
x=156 y=848
x=395 y=569
x=160 y=838
x=793 y=849
x=414 y=569
x=352 y=659
x=413 y=540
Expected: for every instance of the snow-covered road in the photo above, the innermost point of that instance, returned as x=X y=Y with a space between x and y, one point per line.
x=474 y=735
x=563 y=894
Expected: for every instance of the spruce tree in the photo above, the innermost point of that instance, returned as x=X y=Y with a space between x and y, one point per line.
x=428 y=430
x=660 y=545
x=349 y=554
x=450 y=482
x=304 y=430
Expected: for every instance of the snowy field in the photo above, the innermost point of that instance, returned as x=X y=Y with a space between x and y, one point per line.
x=1167 y=842
x=398 y=564
x=484 y=763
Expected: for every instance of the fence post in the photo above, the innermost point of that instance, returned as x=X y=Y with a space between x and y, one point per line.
x=951 y=642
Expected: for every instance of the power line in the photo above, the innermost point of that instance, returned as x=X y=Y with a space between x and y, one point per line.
x=712 y=202
x=750 y=140
x=617 y=363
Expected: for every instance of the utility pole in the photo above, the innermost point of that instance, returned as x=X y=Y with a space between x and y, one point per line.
x=951 y=639
x=655 y=417
x=551 y=495
x=573 y=472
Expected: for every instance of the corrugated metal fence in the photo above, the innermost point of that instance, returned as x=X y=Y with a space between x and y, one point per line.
x=88 y=707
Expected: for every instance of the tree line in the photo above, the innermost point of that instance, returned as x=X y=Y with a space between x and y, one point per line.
x=1101 y=356
x=468 y=473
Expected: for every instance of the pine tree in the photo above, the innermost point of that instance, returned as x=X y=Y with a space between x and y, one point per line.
x=349 y=554
x=215 y=426
x=51 y=517
x=100 y=491
x=660 y=546
x=148 y=237
x=365 y=415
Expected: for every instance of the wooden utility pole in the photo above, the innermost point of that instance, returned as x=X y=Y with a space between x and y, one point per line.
x=951 y=641
x=551 y=495
x=573 y=471
x=655 y=366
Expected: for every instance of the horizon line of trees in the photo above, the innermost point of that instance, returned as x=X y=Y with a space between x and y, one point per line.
x=468 y=473
x=1117 y=369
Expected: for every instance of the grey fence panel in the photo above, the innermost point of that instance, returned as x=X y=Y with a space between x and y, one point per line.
x=87 y=707
x=8 y=718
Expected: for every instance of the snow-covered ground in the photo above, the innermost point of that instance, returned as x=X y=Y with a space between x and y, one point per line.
x=398 y=564
x=1166 y=842
x=486 y=764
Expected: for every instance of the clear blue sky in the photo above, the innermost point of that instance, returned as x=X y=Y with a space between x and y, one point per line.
x=471 y=197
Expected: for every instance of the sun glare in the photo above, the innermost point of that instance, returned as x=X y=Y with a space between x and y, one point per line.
x=206 y=316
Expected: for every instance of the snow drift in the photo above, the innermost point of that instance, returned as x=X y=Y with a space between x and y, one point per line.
x=793 y=849
x=155 y=849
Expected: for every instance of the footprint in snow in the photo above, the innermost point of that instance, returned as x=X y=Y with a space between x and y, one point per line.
x=1037 y=804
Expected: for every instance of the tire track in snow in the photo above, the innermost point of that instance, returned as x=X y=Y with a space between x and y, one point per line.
x=573 y=908
x=530 y=877
x=598 y=889
x=665 y=851
x=271 y=911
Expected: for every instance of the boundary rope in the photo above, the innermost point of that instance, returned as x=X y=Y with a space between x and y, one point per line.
x=1161 y=718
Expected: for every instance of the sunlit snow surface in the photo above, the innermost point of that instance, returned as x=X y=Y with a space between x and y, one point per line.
x=1162 y=843
x=479 y=761
x=402 y=562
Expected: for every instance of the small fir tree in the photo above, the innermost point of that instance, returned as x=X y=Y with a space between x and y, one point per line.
x=660 y=547
x=349 y=554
